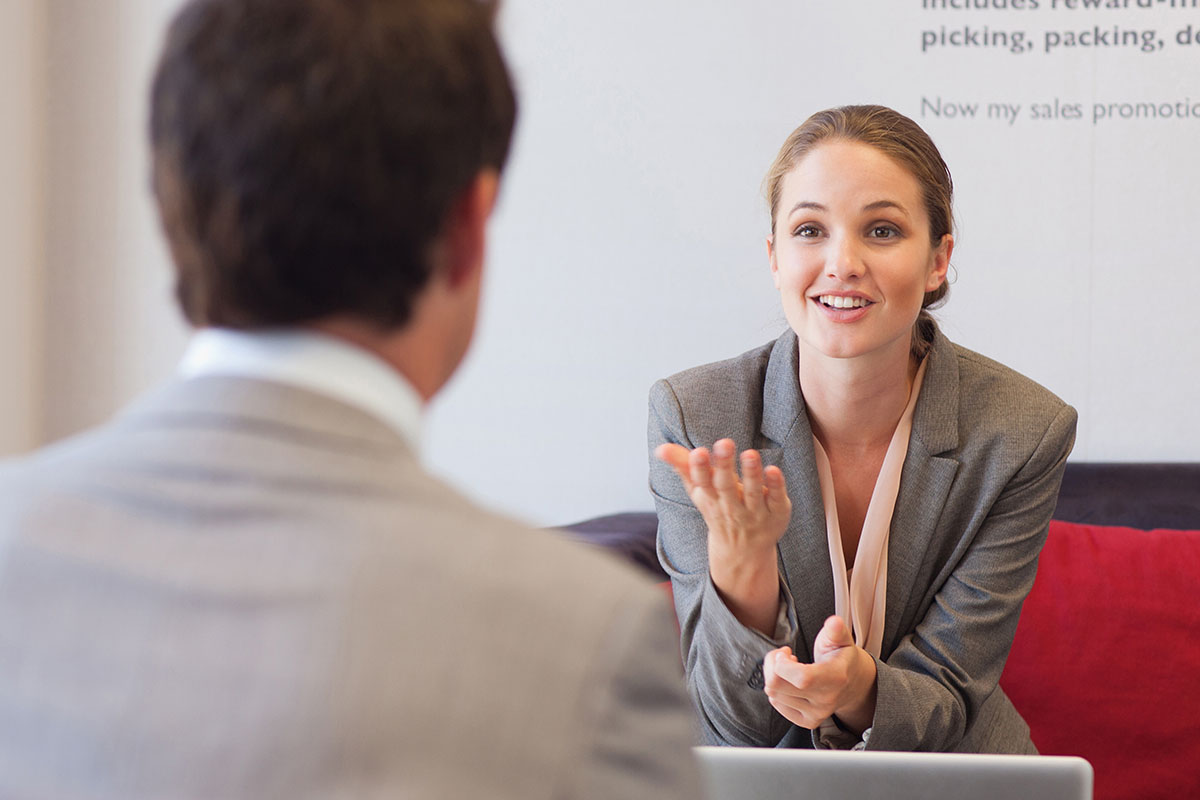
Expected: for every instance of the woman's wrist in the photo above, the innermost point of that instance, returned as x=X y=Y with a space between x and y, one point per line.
x=858 y=713
x=748 y=583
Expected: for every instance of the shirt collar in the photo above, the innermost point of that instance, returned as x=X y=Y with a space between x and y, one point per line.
x=312 y=361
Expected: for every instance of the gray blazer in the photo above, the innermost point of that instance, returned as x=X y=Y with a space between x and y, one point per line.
x=978 y=487
x=241 y=589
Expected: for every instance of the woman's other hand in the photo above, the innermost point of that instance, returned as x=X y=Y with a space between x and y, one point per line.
x=840 y=681
x=745 y=520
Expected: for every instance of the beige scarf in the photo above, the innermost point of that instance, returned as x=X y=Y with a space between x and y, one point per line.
x=861 y=593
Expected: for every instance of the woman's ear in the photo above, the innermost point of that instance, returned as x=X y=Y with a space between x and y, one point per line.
x=940 y=263
x=772 y=260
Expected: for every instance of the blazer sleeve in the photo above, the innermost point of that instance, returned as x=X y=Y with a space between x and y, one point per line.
x=722 y=658
x=933 y=687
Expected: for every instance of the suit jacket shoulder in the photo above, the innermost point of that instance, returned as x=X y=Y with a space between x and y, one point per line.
x=998 y=402
x=241 y=588
x=727 y=398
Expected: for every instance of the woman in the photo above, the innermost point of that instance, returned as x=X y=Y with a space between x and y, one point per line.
x=859 y=584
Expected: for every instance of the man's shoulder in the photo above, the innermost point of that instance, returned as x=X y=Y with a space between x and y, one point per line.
x=486 y=551
x=54 y=468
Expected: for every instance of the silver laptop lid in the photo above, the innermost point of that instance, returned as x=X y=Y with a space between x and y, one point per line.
x=762 y=773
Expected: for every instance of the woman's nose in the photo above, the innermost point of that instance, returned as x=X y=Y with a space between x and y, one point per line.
x=843 y=261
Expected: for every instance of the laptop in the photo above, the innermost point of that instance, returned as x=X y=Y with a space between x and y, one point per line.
x=764 y=773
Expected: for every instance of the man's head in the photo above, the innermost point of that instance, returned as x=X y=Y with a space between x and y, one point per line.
x=309 y=155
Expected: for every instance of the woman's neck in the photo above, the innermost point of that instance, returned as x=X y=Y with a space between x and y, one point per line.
x=855 y=403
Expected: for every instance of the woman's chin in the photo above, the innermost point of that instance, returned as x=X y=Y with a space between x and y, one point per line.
x=847 y=347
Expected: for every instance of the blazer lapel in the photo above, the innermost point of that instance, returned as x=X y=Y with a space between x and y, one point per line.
x=925 y=483
x=805 y=544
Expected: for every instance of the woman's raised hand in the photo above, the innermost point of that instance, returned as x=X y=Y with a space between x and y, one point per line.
x=745 y=520
x=747 y=515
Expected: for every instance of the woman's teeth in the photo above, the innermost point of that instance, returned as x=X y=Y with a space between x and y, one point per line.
x=834 y=301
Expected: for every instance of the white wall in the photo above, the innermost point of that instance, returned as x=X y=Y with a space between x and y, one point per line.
x=629 y=239
x=110 y=328
x=22 y=96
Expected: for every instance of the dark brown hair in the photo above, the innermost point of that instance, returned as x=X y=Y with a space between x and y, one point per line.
x=906 y=143
x=307 y=152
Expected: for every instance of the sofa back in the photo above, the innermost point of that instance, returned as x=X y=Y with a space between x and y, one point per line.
x=1133 y=495
x=1106 y=659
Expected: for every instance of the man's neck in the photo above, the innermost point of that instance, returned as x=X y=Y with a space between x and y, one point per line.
x=401 y=350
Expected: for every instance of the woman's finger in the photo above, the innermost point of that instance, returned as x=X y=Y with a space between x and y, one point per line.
x=786 y=686
x=700 y=469
x=788 y=673
x=804 y=716
x=770 y=658
x=782 y=671
x=752 y=481
x=677 y=457
x=673 y=454
x=778 y=502
x=724 y=476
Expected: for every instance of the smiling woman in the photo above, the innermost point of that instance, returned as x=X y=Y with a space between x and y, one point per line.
x=857 y=582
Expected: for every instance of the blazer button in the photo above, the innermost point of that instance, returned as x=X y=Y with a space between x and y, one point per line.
x=755 y=681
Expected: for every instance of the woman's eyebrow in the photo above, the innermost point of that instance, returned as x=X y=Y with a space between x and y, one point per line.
x=875 y=206
x=807 y=204
x=878 y=204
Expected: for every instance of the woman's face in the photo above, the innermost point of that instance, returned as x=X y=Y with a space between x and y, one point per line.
x=851 y=255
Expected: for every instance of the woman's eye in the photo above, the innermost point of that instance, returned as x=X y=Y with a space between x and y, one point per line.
x=807 y=231
x=884 y=232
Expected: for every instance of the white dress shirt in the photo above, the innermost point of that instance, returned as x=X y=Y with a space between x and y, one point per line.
x=313 y=361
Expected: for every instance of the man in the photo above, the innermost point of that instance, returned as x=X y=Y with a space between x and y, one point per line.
x=246 y=586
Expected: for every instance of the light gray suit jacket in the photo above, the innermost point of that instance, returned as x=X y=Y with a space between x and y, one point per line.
x=241 y=589
x=985 y=460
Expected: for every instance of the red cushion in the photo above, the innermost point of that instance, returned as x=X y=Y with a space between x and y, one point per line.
x=1106 y=660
